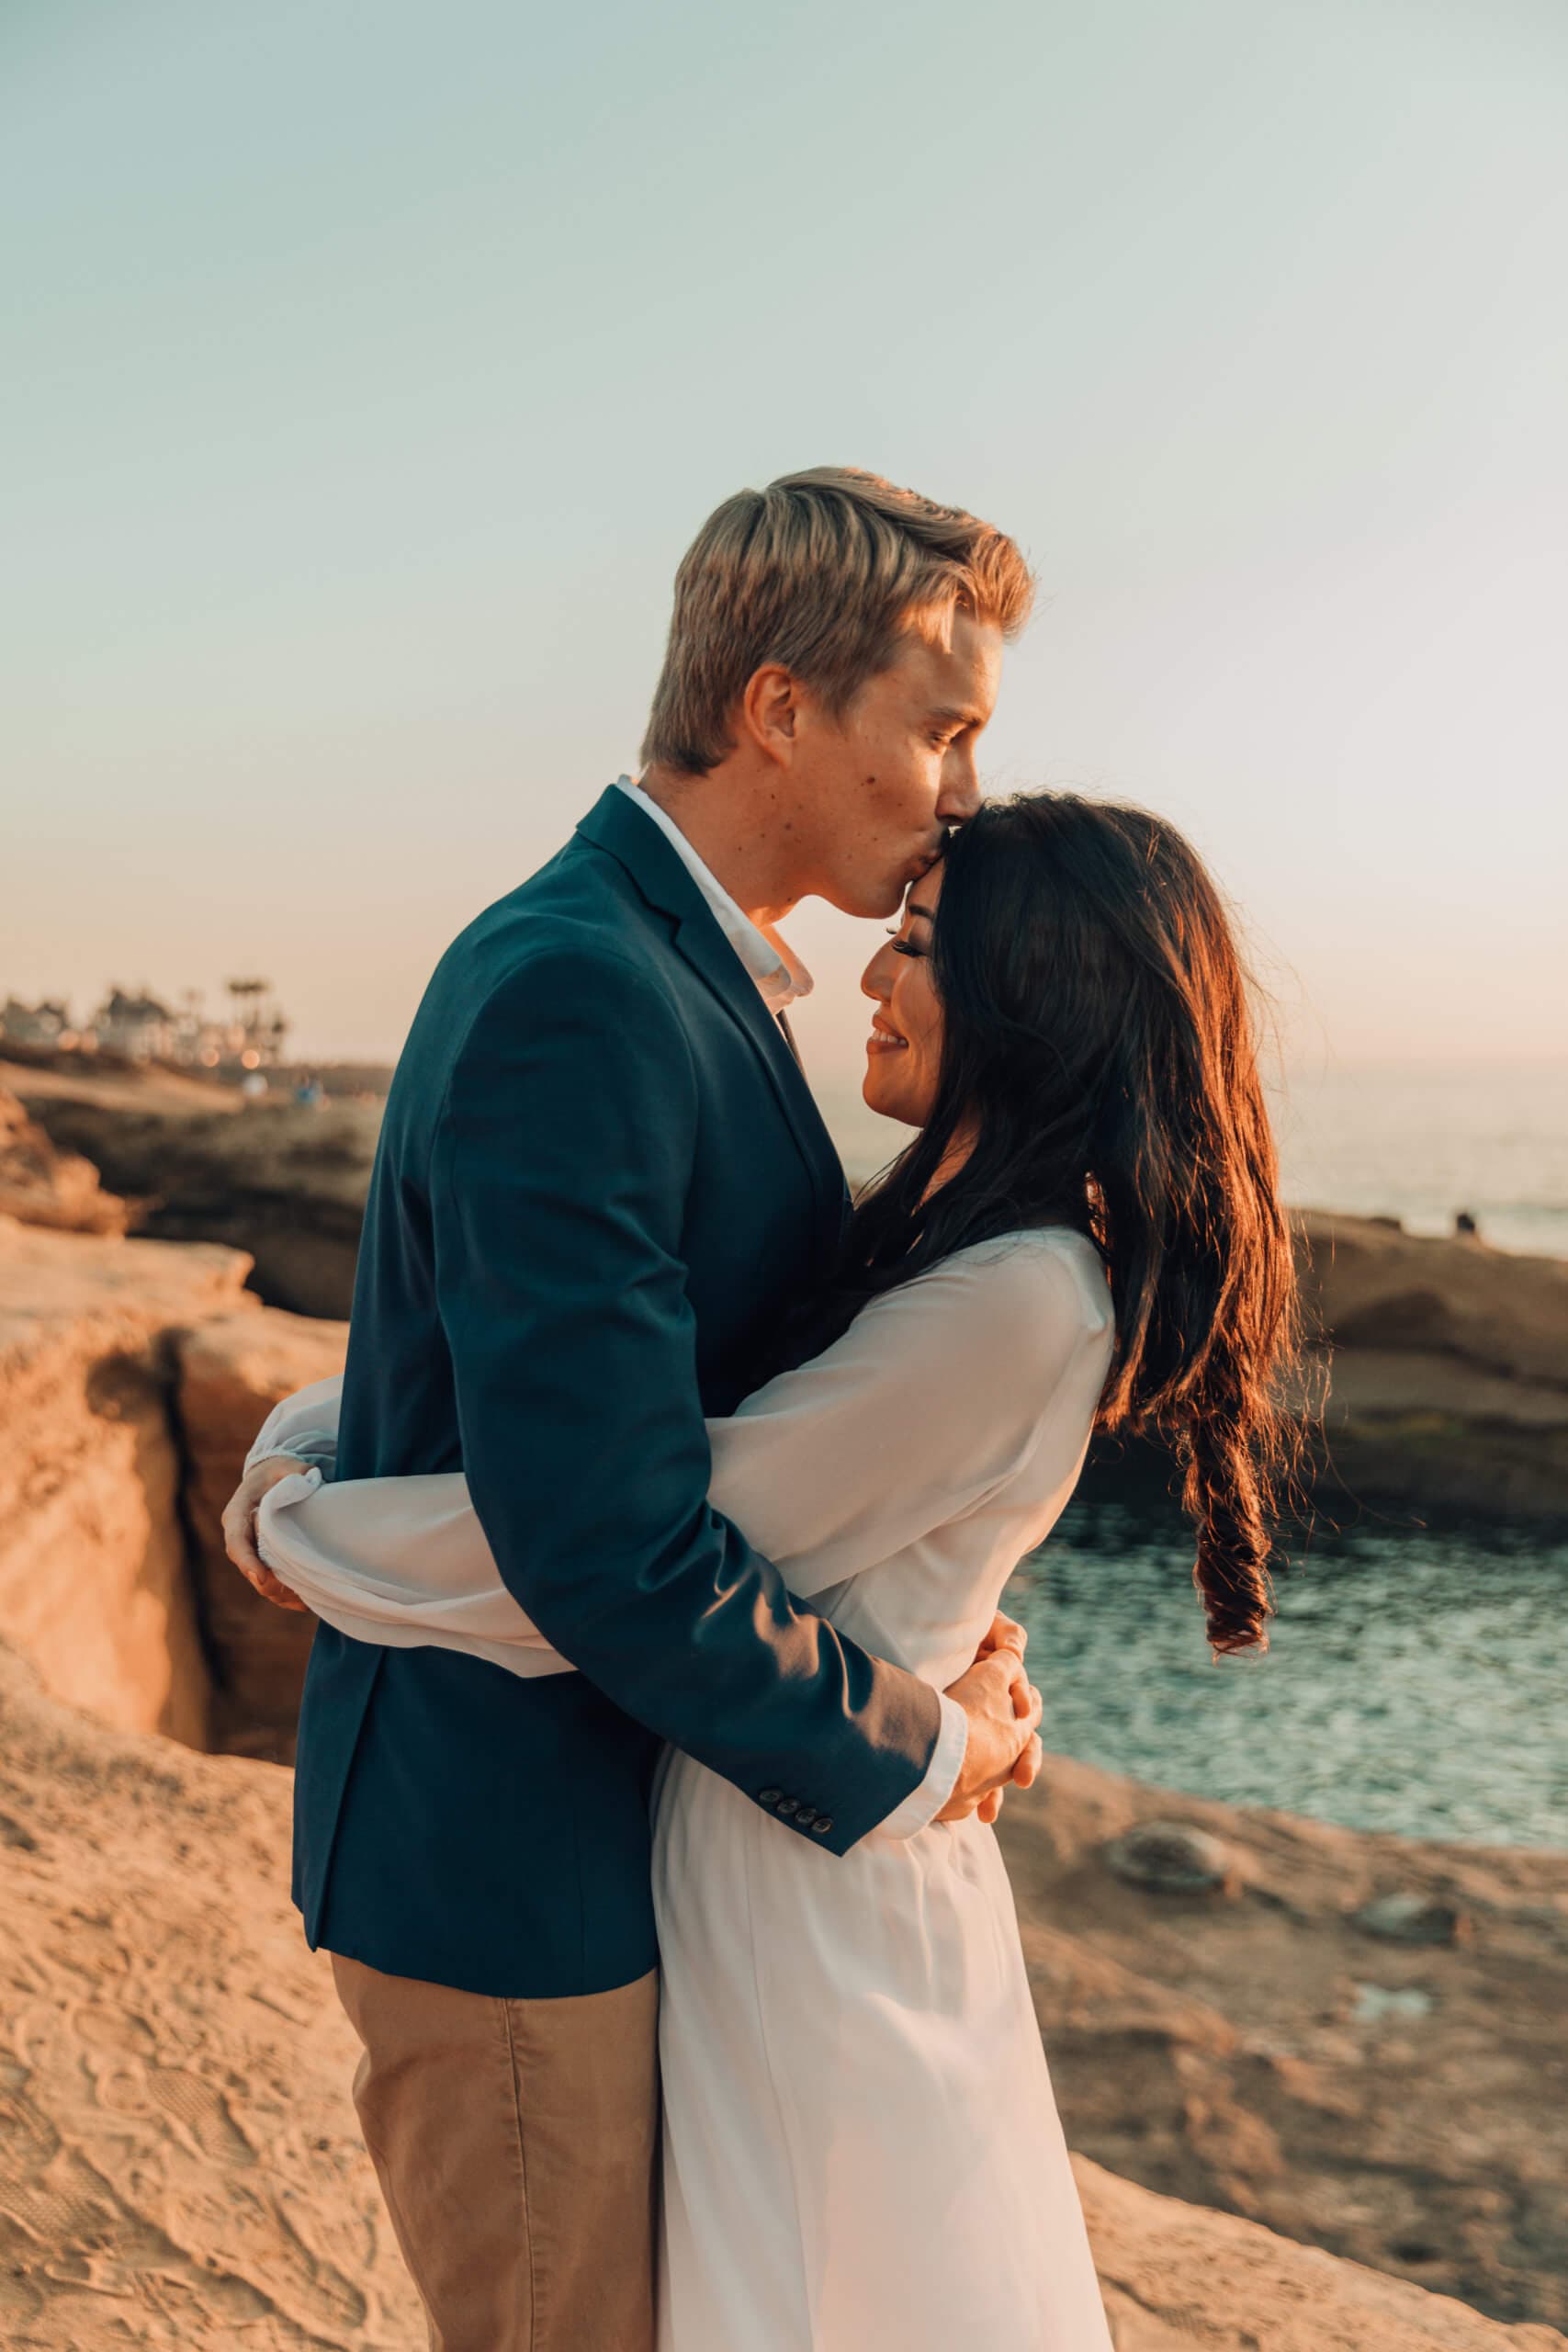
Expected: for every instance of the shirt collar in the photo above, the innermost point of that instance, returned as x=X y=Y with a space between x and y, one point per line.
x=780 y=975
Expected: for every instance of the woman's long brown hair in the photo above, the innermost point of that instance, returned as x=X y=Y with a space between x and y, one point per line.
x=1098 y=1044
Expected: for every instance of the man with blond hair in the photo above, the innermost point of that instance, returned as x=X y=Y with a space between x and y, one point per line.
x=602 y=1181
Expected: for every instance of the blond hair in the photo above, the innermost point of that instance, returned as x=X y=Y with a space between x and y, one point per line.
x=821 y=572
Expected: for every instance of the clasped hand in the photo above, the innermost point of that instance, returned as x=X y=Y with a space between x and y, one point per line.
x=1004 y=1709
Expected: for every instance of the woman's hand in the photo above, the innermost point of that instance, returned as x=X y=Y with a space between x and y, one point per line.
x=239 y=1529
x=1007 y=1633
x=1007 y=1637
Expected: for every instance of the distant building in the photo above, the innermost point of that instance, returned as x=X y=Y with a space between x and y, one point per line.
x=136 y=1026
x=141 y=1028
x=35 y=1025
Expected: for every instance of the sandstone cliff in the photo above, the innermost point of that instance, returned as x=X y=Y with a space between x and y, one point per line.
x=234 y=1368
x=40 y=1184
x=94 y=1582
x=133 y=1375
x=180 y=2164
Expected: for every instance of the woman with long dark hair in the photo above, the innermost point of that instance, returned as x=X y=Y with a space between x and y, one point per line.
x=1081 y=1052
x=861 y=2144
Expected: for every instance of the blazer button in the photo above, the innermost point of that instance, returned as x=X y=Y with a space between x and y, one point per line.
x=806 y=1816
x=769 y=1796
x=821 y=1825
x=786 y=1805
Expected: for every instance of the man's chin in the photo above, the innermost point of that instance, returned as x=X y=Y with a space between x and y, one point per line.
x=866 y=900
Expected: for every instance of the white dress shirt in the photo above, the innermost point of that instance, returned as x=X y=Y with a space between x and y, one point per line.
x=780 y=975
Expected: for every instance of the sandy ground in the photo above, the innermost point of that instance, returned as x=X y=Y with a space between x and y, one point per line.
x=178 y=2160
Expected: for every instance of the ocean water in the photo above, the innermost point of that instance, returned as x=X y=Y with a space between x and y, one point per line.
x=1416 y=1144
x=1421 y=1143
x=1414 y=1680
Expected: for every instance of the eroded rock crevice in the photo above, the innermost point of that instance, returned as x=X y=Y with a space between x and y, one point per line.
x=133 y=1375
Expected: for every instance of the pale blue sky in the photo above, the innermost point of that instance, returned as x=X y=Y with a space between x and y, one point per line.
x=366 y=371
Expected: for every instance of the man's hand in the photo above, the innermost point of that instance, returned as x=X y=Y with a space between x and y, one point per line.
x=239 y=1529
x=1004 y=1709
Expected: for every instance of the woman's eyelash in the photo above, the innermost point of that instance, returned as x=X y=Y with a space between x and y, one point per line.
x=902 y=948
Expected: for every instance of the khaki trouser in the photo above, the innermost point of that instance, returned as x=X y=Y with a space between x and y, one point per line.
x=516 y=2145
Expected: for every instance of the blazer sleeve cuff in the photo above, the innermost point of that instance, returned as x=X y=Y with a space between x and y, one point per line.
x=922 y=1804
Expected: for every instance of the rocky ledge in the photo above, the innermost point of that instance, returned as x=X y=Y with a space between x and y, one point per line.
x=1445 y=1361
x=42 y=1185
x=181 y=2166
x=1445 y=1366
x=1350 y=2037
x=284 y=1183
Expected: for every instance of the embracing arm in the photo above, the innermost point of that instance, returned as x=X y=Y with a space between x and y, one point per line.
x=303 y=1426
x=909 y=1420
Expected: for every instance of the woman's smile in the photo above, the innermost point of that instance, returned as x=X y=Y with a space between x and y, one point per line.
x=903 y=1053
x=884 y=1038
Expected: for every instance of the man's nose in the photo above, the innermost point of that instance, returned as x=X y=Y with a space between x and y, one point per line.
x=961 y=794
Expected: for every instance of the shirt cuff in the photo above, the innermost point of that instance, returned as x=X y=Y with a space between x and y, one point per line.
x=921 y=1807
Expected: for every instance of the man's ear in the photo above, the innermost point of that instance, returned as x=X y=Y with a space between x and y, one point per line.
x=770 y=712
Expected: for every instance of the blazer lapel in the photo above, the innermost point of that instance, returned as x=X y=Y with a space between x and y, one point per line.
x=618 y=826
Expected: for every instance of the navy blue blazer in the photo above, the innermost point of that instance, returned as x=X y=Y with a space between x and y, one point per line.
x=601 y=1181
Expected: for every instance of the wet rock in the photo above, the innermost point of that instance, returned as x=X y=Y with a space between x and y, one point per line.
x=1172 y=1858
x=1404 y=1918
x=1376 y=2002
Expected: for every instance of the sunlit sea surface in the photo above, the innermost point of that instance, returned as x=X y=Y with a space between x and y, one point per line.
x=1414 y=1682
x=1419 y=1145
x=1416 y=1144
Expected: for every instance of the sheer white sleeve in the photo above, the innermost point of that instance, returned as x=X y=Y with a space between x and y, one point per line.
x=919 y=1412
x=304 y=1425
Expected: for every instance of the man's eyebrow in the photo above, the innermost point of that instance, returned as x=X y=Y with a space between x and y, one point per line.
x=952 y=717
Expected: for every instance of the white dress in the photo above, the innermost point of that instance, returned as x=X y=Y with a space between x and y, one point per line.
x=861 y=2147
